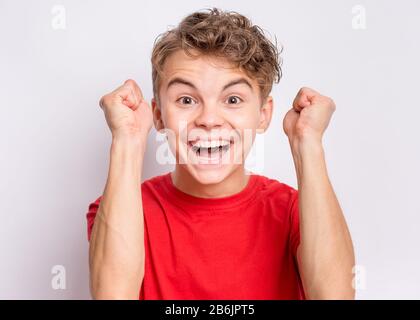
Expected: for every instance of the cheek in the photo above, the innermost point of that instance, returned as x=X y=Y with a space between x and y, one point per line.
x=245 y=119
x=246 y=123
x=176 y=126
x=171 y=119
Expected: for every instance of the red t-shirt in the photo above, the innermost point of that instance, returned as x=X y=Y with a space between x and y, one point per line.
x=238 y=247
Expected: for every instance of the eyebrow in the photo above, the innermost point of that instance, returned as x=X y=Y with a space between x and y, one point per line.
x=178 y=80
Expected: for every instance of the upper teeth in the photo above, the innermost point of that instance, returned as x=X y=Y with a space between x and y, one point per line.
x=210 y=144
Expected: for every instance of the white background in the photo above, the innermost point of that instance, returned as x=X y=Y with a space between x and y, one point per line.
x=54 y=141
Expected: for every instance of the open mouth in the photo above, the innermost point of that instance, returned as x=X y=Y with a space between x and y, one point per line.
x=210 y=151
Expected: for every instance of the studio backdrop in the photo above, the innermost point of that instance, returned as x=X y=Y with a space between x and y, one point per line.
x=58 y=57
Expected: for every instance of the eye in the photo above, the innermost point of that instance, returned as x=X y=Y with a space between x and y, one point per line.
x=233 y=100
x=186 y=100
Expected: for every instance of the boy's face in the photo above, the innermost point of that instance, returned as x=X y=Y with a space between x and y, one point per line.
x=211 y=113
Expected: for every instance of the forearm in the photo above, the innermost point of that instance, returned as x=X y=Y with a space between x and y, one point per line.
x=326 y=255
x=116 y=255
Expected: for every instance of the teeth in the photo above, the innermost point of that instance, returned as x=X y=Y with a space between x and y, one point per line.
x=210 y=144
x=205 y=148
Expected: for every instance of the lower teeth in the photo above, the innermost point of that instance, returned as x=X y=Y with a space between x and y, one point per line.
x=212 y=151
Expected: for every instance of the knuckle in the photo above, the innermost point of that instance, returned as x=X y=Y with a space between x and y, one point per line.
x=102 y=101
x=301 y=91
x=107 y=100
x=331 y=102
x=130 y=83
x=304 y=90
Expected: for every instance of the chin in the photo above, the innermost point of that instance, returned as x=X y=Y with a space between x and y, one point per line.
x=212 y=161
x=210 y=175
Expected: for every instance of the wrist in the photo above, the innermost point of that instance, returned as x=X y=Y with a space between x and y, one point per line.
x=129 y=138
x=308 y=157
x=306 y=145
x=131 y=144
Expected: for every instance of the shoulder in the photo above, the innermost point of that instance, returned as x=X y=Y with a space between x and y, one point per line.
x=93 y=207
x=155 y=181
x=278 y=196
x=271 y=187
x=154 y=192
x=154 y=185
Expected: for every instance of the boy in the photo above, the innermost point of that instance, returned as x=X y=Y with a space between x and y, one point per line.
x=209 y=229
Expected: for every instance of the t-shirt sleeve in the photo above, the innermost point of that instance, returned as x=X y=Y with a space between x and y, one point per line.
x=294 y=235
x=91 y=214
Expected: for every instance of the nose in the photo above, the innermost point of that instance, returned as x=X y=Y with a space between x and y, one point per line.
x=209 y=117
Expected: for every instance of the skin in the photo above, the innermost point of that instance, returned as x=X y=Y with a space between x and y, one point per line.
x=208 y=108
x=116 y=251
x=325 y=254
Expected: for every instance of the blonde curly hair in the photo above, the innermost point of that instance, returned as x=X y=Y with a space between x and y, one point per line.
x=225 y=34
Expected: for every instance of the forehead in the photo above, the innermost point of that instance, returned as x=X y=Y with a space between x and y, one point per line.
x=203 y=70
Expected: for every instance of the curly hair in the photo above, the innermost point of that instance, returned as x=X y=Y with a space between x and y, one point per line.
x=224 y=34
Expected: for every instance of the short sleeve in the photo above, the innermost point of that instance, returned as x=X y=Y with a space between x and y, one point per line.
x=91 y=214
x=294 y=236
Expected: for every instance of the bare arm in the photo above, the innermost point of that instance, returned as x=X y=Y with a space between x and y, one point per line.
x=325 y=254
x=116 y=252
x=116 y=255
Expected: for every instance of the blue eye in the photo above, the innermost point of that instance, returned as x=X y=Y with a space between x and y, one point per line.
x=234 y=100
x=186 y=100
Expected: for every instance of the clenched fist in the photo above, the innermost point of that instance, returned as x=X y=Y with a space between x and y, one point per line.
x=126 y=111
x=309 y=116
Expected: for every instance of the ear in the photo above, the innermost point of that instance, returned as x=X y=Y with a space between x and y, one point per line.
x=157 y=115
x=266 y=113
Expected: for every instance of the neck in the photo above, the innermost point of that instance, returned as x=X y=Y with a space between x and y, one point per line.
x=232 y=184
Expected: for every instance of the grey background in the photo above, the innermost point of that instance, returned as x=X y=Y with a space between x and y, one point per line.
x=54 y=141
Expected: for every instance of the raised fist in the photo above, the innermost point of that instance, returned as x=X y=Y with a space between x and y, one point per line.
x=126 y=111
